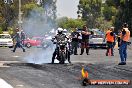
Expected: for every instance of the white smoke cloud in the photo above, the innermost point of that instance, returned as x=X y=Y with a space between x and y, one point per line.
x=40 y=56
x=37 y=24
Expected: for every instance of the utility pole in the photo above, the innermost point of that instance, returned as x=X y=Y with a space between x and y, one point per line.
x=7 y=6
x=20 y=16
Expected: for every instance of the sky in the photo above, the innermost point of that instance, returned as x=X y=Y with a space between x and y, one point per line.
x=67 y=8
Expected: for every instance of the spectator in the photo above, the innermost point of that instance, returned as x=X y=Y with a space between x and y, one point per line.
x=85 y=40
x=75 y=41
x=18 y=40
x=110 y=40
x=125 y=37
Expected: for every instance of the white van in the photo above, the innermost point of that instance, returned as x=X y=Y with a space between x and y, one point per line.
x=6 y=40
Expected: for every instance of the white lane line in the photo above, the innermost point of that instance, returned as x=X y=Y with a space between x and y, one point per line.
x=9 y=61
x=16 y=56
x=4 y=84
x=19 y=85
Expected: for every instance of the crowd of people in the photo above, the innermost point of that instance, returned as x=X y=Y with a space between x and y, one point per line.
x=123 y=38
x=82 y=38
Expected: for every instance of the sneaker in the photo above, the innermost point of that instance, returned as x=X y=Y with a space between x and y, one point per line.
x=81 y=54
x=24 y=50
x=76 y=54
x=88 y=54
x=106 y=54
x=12 y=50
x=122 y=63
x=69 y=62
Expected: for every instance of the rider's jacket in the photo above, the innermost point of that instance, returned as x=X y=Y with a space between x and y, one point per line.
x=60 y=37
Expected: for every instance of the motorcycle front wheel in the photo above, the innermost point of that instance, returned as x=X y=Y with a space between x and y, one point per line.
x=62 y=57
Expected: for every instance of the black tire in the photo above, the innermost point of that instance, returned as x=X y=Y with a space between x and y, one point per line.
x=62 y=58
x=28 y=45
x=10 y=46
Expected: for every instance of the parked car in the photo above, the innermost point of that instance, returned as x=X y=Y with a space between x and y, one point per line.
x=97 y=40
x=34 y=41
x=6 y=40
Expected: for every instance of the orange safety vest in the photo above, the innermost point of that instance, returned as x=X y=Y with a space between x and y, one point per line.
x=109 y=38
x=126 y=37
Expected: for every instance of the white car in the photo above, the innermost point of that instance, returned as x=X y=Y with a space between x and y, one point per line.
x=6 y=40
x=97 y=39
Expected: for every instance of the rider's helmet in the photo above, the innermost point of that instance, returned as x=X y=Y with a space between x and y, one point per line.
x=60 y=30
x=65 y=31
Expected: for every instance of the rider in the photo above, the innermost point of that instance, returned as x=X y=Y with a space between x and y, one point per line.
x=58 y=37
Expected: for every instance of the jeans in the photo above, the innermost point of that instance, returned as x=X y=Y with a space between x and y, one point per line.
x=123 y=51
x=74 y=47
x=18 y=44
x=110 y=46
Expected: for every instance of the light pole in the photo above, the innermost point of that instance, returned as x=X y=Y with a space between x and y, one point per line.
x=7 y=18
x=20 y=15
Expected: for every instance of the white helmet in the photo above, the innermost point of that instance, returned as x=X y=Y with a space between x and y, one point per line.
x=59 y=30
x=65 y=31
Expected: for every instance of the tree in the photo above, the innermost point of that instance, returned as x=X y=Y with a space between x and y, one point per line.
x=9 y=12
x=90 y=11
x=123 y=12
x=70 y=23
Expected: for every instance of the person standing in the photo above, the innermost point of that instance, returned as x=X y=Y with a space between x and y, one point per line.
x=17 y=38
x=110 y=40
x=85 y=40
x=75 y=41
x=125 y=37
x=23 y=37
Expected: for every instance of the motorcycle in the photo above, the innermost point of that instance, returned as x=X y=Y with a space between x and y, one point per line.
x=62 y=51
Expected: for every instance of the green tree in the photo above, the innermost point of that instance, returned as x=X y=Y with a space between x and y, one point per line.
x=9 y=12
x=70 y=23
x=90 y=11
x=123 y=12
x=1 y=30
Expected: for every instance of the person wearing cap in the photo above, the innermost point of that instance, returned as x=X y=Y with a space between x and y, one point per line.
x=85 y=40
x=125 y=37
x=110 y=40
x=18 y=40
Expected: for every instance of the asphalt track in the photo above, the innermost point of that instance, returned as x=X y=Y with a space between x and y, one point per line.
x=21 y=74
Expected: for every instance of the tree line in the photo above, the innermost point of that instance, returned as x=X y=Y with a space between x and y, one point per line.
x=94 y=13
x=99 y=14
x=9 y=11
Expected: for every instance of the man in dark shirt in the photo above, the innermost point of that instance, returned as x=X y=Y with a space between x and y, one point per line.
x=85 y=40
x=74 y=43
x=18 y=40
